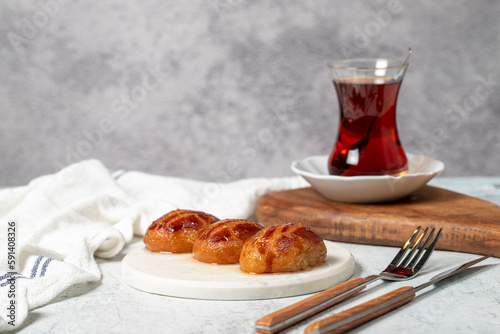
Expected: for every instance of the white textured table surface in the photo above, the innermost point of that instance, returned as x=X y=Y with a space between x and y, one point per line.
x=466 y=303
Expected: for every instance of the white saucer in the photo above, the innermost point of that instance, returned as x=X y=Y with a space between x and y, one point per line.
x=180 y=275
x=367 y=189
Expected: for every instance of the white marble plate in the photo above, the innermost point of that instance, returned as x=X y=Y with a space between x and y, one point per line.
x=367 y=189
x=180 y=275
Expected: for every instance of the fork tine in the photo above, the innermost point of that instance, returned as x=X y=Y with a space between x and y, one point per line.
x=413 y=249
x=421 y=250
x=403 y=249
x=428 y=253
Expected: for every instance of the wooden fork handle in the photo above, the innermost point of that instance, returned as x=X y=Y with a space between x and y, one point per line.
x=281 y=319
x=346 y=320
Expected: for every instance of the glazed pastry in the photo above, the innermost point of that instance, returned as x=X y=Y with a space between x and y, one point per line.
x=282 y=248
x=177 y=230
x=221 y=242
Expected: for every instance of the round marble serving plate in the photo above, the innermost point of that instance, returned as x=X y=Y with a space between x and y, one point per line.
x=180 y=275
x=369 y=188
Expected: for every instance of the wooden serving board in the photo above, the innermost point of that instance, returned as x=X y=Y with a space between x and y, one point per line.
x=469 y=224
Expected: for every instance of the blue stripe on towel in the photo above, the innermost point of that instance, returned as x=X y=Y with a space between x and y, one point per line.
x=7 y=276
x=34 y=270
x=35 y=266
x=10 y=276
x=118 y=173
x=44 y=267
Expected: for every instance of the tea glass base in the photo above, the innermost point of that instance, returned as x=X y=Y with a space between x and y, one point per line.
x=337 y=172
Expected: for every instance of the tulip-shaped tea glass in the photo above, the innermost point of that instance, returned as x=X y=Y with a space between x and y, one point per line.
x=367 y=141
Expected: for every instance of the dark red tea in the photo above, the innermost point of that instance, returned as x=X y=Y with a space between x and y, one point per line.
x=368 y=141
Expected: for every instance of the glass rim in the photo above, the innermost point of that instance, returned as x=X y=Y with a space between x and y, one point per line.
x=342 y=64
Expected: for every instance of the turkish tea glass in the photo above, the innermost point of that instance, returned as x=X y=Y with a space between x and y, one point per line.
x=367 y=141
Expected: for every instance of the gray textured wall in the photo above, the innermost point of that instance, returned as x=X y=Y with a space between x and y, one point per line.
x=226 y=89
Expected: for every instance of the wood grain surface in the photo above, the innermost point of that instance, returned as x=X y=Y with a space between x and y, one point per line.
x=285 y=314
x=469 y=224
x=333 y=319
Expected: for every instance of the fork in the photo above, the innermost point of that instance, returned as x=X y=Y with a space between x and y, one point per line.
x=397 y=270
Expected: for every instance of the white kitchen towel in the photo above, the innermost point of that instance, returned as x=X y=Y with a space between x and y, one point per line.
x=59 y=222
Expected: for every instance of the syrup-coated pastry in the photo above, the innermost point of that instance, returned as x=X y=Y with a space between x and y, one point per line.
x=221 y=242
x=177 y=230
x=282 y=248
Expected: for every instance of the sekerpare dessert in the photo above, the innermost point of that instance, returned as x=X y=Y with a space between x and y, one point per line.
x=222 y=242
x=282 y=248
x=177 y=230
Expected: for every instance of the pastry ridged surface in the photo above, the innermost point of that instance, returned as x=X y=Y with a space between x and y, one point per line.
x=221 y=242
x=177 y=230
x=282 y=248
